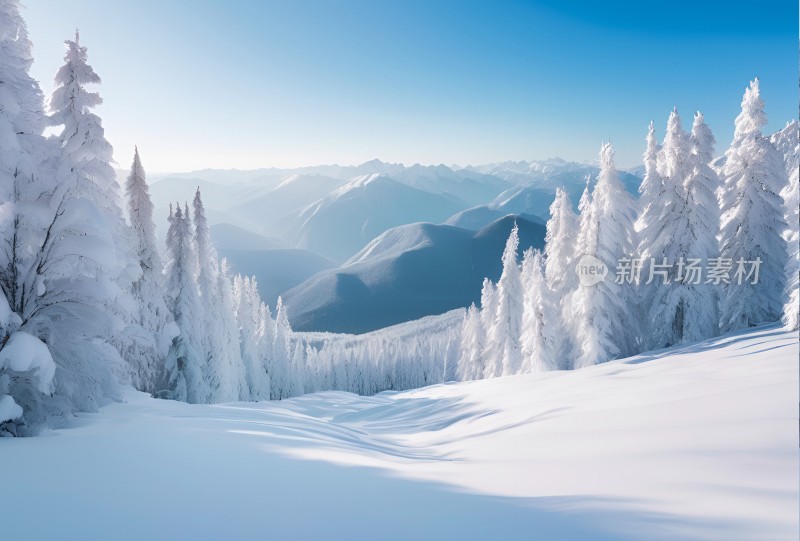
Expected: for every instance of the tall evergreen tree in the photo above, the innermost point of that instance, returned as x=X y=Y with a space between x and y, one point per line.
x=85 y=166
x=560 y=261
x=681 y=227
x=605 y=329
x=651 y=183
x=222 y=359
x=281 y=377
x=791 y=309
x=540 y=319
x=24 y=215
x=255 y=337
x=470 y=362
x=504 y=337
x=148 y=290
x=787 y=141
x=185 y=364
x=228 y=333
x=487 y=321
x=753 y=219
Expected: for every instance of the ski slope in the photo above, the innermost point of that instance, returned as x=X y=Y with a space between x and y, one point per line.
x=693 y=443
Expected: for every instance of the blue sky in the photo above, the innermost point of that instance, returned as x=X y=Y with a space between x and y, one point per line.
x=245 y=84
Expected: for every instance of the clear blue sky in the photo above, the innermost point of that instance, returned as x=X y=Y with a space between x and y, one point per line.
x=243 y=84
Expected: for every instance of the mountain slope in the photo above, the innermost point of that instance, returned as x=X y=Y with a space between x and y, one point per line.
x=698 y=443
x=293 y=193
x=537 y=196
x=478 y=217
x=339 y=224
x=276 y=270
x=406 y=273
x=232 y=237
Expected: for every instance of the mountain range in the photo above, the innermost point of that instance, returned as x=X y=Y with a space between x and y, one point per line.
x=356 y=248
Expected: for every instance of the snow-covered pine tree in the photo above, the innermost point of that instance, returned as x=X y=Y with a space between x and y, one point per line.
x=84 y=165
x=753 y=220
x=297 y=372
x=651 y=183
x=605 y=328
x=681 y=226
x=148 y=290
x=503 y=343
x=470 y=362
x=540 y=320
x=255 y=337
x=280 y=373
x=24 y=212
x=228 y=329
x=787 y=141
x=562 y=281
x=222 y=361
x=646 y=225
x=652 y=199
x=704 y=216
x=185 y=365
x=650 y=189
x=487 y=313
x=791 y=309
x=207 y=261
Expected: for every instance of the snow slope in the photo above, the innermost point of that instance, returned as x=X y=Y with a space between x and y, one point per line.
x=697 y=443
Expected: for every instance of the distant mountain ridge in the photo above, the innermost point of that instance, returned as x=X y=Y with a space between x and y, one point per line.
x=408 y=272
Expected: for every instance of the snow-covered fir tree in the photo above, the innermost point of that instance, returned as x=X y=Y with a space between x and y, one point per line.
x=680 y=228
x=222 y=358
x=280 y=373
x=186 y=363
x=255 y=336
x=753 y=221
x=704 y=219
x=503 y=339
x=787 y=141
x=470 y=362
x=651 y=182
x=84 y=165
x=148 y=290
x=228 y=332
x=791 y=309
x=488 y=311
x=23 y=215
x=605 y=328
x=560 y=260
x=539 y=341
x=663 y=199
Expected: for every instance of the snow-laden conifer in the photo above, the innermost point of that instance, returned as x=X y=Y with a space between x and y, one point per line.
x=541 y=317
x=148 y=290
x=680 y=230
x=560 y=260
x=185 y=364
x=605 y=329
x=470 y=362
x=504 y=355
x=753 y=221
x=787 y=141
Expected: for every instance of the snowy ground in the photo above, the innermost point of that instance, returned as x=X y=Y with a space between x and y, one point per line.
x=696 y=443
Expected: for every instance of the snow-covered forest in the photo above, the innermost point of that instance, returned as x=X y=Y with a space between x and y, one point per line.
x=93 y=300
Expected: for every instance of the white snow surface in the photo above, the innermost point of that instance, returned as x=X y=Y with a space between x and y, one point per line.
x=694 y=443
